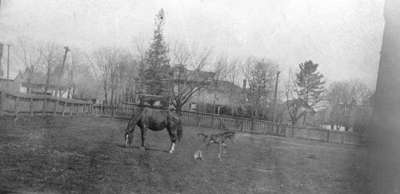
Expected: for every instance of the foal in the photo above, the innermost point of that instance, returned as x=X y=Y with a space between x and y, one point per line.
x=219 y=139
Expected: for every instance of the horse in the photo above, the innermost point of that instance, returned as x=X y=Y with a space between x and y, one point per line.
x=155 y=120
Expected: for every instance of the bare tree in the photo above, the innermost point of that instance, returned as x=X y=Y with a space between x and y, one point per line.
x=30 y=55
x=189 y=75
x=342 y=97
x=296 y=107
x=52 y=55
x=116 y=68
x=232 y=74
x=103 y=67
x=81 y=75
x=347 y=91
x=260 y=76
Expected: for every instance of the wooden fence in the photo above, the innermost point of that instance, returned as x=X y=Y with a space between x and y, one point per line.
x=246 y=125
x=19 y=104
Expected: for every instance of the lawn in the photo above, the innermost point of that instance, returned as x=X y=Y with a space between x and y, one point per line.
x=86 y=155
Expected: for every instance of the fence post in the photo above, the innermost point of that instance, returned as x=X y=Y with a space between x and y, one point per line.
x=2 y=98
x=252 y=124
x=31 y=106
x=44 y=106
x=63 y=111
x=55 y=107
x=292 y=130
x=112 y=110
x=342 y=138
x=16 y=106
x=327 y=136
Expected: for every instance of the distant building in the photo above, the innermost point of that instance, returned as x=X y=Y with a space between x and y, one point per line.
x=221 y=95
x=9 y=85
x=35 y=83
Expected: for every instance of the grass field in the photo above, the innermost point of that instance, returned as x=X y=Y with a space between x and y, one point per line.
x=85 y=155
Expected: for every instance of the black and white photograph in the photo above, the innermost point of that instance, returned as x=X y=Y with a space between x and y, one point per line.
x=199 y=96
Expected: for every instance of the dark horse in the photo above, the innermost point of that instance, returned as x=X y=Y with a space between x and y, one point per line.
x=155 y=120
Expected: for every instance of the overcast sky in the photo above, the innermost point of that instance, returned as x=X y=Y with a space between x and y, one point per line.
x=343 y=36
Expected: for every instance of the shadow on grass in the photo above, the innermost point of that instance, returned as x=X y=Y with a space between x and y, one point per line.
x=147 y=148
x=6 y=191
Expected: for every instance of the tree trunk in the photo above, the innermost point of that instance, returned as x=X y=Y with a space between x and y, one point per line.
x=105 y=91
x=112 y=100
x=47 y=79
x=178 y=110
x=304 y=118
x=385 y=153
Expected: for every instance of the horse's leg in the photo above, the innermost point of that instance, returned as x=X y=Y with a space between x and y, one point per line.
x=220 y=152
x=143 y=134
x=130 y=128
x=129 y=135
x=223 y=148
x=173 y=137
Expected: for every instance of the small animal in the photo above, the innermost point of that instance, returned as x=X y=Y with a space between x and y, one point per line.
x=219 y=138
x=198 y=155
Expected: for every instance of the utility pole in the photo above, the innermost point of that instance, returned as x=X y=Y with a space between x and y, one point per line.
x=8 y=61
x=61 y=73
x=66 y=49
x=71 y=77
x=275 y=96
x=1 y=59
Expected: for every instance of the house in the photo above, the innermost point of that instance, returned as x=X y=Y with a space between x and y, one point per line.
x=221 y=95
x=35 y=83
x=9 y=85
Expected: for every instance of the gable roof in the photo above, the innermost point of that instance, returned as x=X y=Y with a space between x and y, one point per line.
x=38 y=79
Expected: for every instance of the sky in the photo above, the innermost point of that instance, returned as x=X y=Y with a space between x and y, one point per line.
x=343 y=36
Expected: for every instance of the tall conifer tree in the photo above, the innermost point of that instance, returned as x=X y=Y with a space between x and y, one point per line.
x=156 y=59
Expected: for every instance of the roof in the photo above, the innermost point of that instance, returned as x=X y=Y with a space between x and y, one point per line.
x=38 y=79
x=225 y=86
x=191 y=75
x=6 y=80
x=50 y=86
x=36 y=96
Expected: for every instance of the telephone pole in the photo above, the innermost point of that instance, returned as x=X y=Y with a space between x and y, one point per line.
x=275 y=96
x=8 y=61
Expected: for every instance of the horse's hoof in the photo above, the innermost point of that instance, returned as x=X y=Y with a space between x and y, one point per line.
x=171 y=151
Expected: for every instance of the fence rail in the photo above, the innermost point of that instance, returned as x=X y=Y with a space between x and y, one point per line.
x=20 y=104
x=246 y=125
x=16 y=104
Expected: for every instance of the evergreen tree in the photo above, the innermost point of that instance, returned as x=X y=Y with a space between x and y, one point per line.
x=310 y=84
x=156 y=59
